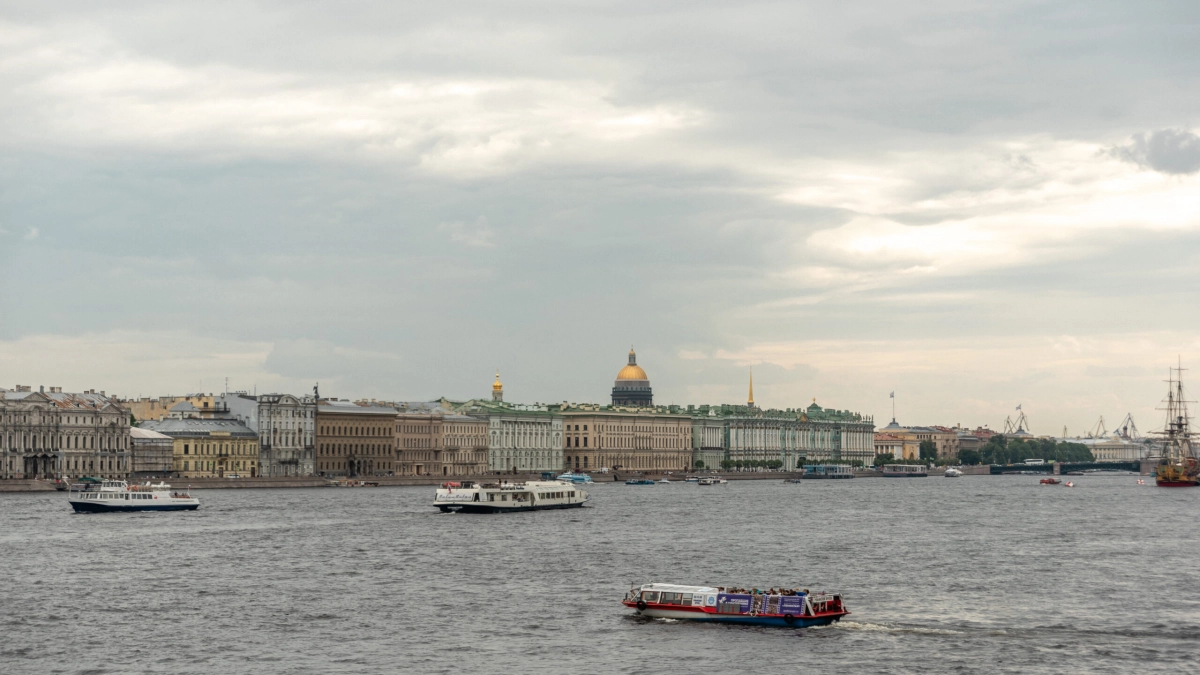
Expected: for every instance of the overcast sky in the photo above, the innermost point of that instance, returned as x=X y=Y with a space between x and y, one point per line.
x=976 y=205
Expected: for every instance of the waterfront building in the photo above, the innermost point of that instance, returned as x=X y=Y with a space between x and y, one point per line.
x=521 y=438
x=355 y=439
x=432 y=439
x=632 y=386
x=791 y=436
x=625 y=437
x=709 y=439
x=207 y=447
x=890 y=445
x=944 y=439
x=286 y=428
x=151 y=454
x=50 y=434
x=146 y=409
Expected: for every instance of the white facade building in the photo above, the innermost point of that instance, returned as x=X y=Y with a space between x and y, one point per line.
x=521 y=438
x=286 y=428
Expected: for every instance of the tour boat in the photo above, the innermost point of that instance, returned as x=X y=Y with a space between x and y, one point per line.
x=471 y=497
x=789 y=608
x=691 y=479
x=831 y=471
x=707 y=480
x=1050 y=481
x=953 y=473
x=905 y=471
x=639 y=481
x=576 y=477
x=117 y=495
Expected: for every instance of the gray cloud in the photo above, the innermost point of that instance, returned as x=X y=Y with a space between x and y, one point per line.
x=1175 y=151
x=406 y=199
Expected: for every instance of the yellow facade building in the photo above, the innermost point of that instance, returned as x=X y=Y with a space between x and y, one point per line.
x=209 y=448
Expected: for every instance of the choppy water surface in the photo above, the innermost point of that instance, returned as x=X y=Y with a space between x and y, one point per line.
x=994 y=574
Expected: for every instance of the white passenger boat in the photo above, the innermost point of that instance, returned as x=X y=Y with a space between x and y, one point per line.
x=575 y=477
x=905 y=471
x=471 y=497
x=953 y=473
x=117 y=495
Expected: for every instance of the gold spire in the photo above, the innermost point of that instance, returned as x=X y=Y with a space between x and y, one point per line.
x=496 y=386
x=751 y=404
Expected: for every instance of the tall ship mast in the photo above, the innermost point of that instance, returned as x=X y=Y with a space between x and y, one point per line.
x=1178 y=466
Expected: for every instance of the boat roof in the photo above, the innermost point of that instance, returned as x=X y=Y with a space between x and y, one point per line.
x=677 y=588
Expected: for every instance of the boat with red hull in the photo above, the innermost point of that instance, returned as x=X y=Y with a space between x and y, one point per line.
x=785 y=608
x=1179 y=466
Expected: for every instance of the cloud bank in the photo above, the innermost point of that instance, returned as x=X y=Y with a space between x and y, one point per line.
x=961 y=203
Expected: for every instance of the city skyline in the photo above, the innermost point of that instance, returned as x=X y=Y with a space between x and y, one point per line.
x=973 y=208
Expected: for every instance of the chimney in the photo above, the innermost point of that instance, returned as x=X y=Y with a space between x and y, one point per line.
x=41 y=389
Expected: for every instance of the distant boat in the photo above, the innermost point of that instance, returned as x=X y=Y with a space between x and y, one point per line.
x=471 y=497
x=1179 y=466
x=905 y=471
x=664 y=480
x=639 y=481
x=953 y=473
x=692 y=479
x=831 y=471
x=575 y=477
x=1050 y=481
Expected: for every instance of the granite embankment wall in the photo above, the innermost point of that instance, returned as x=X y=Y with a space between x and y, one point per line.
x=246 y=483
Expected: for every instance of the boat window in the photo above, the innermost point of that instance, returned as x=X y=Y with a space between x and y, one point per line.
x=650 y=596
x=687 y=599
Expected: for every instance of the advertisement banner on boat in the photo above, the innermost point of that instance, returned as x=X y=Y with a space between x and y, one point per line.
x=455 y=496
x=729 y=603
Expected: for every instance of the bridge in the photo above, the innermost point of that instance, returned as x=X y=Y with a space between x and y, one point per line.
x=1065 y=467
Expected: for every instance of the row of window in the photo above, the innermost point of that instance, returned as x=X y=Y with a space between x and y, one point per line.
x=355 y=431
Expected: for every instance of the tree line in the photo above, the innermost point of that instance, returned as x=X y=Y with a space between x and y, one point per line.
x=1001 y=450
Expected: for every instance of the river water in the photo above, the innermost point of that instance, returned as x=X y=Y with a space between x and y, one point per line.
x=976 y=574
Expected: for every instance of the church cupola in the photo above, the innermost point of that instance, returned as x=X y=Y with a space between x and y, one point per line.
x=632 y=386
x=497 y=389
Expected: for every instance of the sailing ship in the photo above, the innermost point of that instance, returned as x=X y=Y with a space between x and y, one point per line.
x=1178 y=466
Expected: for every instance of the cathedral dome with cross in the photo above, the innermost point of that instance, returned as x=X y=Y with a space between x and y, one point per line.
x=632 y=386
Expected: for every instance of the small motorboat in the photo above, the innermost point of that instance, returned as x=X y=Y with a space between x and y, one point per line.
x=1069 y=484
x=692 y=479
x=1050 y=481
x=639 y=481
x=787 y=608
x=664 y=481
x=792 y=480
x=953 y=473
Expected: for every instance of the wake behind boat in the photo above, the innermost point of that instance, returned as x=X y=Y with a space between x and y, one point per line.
x=777 y=607
x=117 y=495
x=471 y=497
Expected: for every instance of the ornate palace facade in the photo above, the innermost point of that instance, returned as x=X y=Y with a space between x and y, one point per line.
x=50 y=434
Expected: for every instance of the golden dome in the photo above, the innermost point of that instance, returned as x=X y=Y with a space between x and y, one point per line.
x=496 y=386
x=632 y=372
